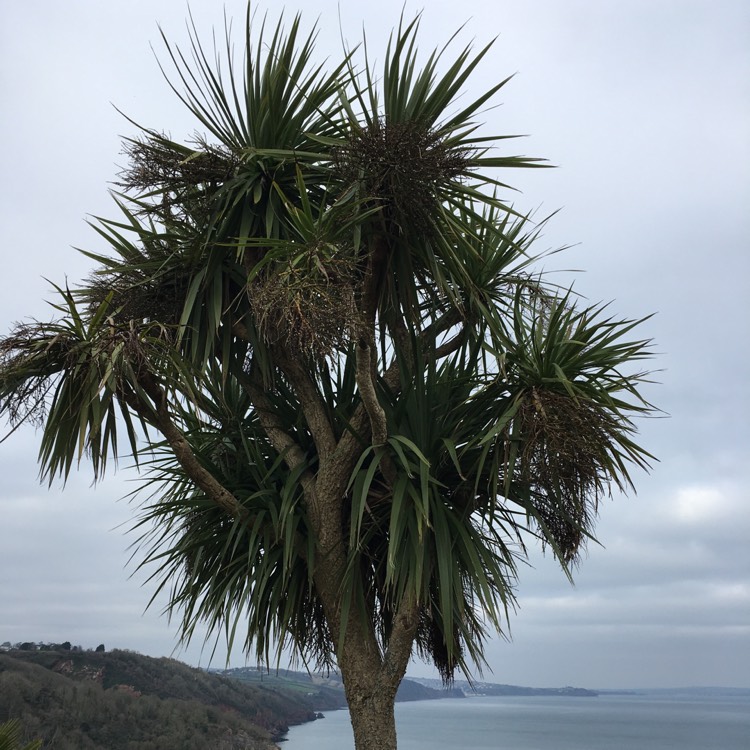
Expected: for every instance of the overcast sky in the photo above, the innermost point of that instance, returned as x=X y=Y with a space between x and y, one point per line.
x=644 y=105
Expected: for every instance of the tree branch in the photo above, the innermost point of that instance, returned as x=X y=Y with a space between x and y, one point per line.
x=451 y=345
x=375 y=412
x=401 y=640
x=282 y=441
x=160 y=418
x=311 y=402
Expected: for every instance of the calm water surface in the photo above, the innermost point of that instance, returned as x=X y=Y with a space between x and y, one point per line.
x=653 y=721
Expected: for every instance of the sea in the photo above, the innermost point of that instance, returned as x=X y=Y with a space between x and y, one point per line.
x=713 y=719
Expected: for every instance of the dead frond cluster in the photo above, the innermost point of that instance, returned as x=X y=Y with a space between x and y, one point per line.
x=34 y=354
x=431 y=645
x=307 y=304
x=136 y=297
x=28 y=355
x=175 y=178
x=400 y=164
x=567 y=447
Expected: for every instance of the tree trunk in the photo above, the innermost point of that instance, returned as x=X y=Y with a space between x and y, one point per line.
x=373 y=721
x=371 y=707
x=371 y=680
x=371 y=671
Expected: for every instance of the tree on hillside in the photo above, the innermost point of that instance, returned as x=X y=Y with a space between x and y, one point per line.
x=323 y=338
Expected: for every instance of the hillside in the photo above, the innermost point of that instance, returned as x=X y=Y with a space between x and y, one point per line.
x=123 y=700
x=329 y=690
x=475 y=688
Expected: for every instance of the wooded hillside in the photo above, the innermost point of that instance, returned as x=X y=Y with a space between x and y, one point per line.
x=83 y=700
x=74 y=699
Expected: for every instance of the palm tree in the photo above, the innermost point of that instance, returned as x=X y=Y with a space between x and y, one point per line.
x=318 y=332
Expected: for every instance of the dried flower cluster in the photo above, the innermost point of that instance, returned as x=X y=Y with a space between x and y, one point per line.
x=307 y=304
x=567 y=443
x=18 y=351
x=179 y=181
x=135 y=297
x=399 y=165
